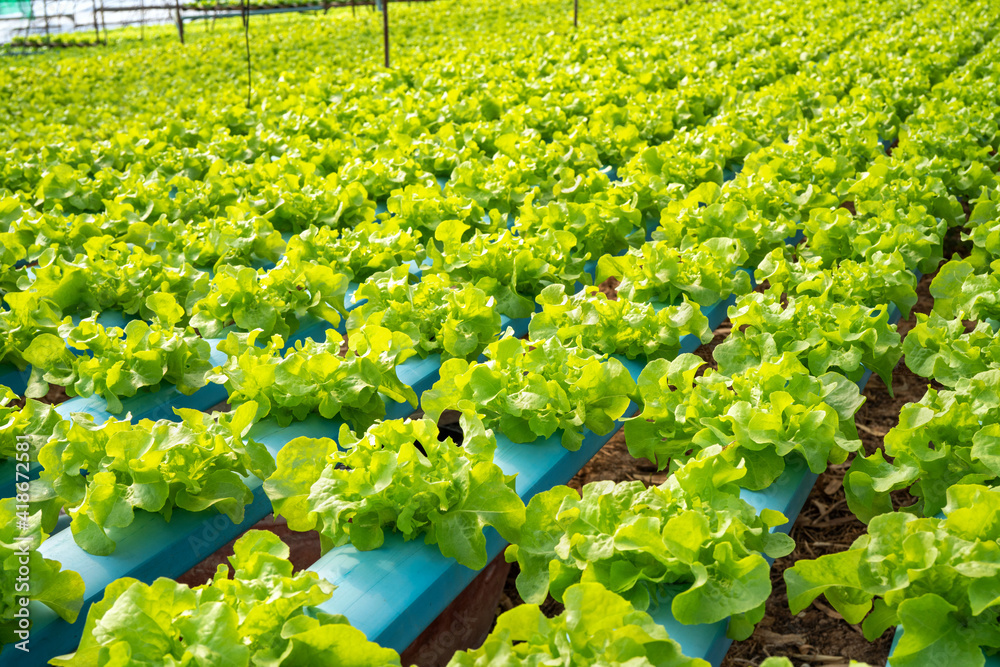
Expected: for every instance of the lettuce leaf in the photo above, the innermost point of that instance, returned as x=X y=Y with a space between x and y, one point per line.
x=312 y=377
x=935 y=577
x=691 y=535
x=60 y=590
x=532 y=389
x=262 y=616
x=761 y=415
x=437 y=314
x=274 y=301
x=624 y=327
x=825 y=335
x=100 y=474
x=705 y=273
x=402 y=474
x=596 y=628
x=32 y=423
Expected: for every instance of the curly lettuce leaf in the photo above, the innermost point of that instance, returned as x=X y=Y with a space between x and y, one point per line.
x=263 y=615
x=933 y=576
x=624 y=327
x=944 y=351
x=509 y=268
x=706 y=273
x=949 y=437
x=118 y=362
x=398 y=473
x=274 y=301
x=313 y=377
x=363 y=250
x=882 y=278
x=59 y=590
x=437 y=314
x=100 y=474
x=599 y=226
x=691 y=535
x=33 y=423
x=962 y=291
x=834 y=234
x=596 y=628
x=529 y=390
x=826 y=336
x=761 y=415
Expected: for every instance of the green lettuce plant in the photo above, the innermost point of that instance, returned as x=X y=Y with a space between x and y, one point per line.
x=424 y=208
x=942 y=349
x=936 y=577
x=529 y=390
x=274 y=301
x=59 y=590
x=758 y=214
x=290 y=384
x=101 y=473
x=825 y=335
x=880 y=279
x=620 y=326
x=366 y=249
x=263 y=615
x=24 y=316
x=32 y=423
x=706 y=273
x=834 y=234
x=118 y=362
x=511 y=269
x=438 y=315
x=215 y=242
x=599 y=226
x=597 y=628
x=399 y=474
x=961 y=290
x=949 y=437
x=111 y=275
x=691 y=536
x=761 y=415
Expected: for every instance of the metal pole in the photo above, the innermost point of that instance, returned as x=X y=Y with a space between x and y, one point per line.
x=45 y=12
x=97 y=30
x=576 y=11
x=104 y=23
x=246 y=36
x=180 y=21
x=385 y=30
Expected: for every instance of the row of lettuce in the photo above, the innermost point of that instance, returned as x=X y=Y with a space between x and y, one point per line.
x=785 y=380
x=927 y=561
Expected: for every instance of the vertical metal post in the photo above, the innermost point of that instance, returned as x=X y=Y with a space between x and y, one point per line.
x=45 y=13
x=576 y=11
x=97 y=30
x=180 y=21
x=104 y=23
x=245 y=7
x=385 y=30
